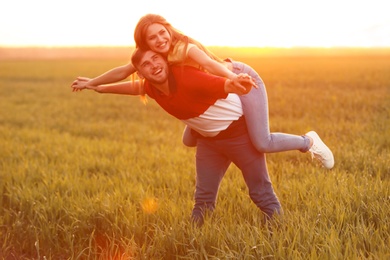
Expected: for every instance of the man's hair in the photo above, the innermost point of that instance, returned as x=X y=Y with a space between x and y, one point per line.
x=136 y=57
x=135 y=60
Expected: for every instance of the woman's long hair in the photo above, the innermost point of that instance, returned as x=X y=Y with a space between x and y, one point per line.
x=176 y=35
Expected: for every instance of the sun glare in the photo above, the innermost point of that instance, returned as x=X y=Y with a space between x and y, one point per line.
x=214 y=23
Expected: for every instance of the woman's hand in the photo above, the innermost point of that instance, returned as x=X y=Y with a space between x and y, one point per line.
x=81 y=83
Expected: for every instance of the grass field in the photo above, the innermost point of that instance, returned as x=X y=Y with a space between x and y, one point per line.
x=91 y=176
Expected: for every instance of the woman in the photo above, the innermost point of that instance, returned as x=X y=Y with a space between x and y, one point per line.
x=155 y=33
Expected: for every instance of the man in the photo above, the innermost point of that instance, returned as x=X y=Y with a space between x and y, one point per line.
x=202 y=101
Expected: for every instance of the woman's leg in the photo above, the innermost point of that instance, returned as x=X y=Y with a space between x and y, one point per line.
x=188 y=138
x=255 y=107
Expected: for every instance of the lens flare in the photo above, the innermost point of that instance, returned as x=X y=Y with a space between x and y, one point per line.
x=149 y=205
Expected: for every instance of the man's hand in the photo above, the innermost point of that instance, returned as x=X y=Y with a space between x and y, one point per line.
x=241 y=84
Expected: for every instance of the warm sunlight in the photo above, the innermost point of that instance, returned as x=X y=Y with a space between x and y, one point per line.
x=224 y=23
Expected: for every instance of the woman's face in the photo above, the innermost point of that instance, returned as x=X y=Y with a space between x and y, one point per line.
x=158 y=38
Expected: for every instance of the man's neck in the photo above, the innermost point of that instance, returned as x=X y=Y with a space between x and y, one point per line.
x=163 y=88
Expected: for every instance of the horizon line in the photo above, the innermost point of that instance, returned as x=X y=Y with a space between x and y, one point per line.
x=209 y=46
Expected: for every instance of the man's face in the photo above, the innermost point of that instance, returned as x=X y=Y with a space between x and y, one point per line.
x=153 y=67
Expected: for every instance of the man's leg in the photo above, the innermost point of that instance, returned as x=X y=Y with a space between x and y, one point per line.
x=211 y=166
x=254 y=169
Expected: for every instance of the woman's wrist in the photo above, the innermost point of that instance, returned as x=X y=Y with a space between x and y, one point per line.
x=232 y=76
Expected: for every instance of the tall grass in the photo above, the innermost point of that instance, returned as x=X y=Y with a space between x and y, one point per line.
x=90 y=176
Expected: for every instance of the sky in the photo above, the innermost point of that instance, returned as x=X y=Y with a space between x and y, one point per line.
x=238 y=23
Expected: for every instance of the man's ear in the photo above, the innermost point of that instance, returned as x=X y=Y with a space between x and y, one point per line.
x=140 y=75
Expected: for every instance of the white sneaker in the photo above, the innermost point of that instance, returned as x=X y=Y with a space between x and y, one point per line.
x=320 y=151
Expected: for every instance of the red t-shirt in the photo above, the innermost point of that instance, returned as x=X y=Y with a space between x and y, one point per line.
x=191 y=92
x=198 y=99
